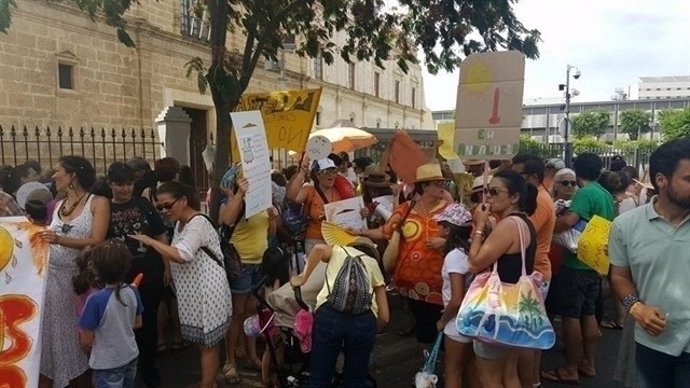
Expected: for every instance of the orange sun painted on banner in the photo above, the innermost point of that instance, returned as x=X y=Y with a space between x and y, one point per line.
x=14 y=310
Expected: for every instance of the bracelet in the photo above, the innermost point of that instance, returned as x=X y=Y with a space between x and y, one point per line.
x=629 y=301
x=479 y=232
x=633 y=307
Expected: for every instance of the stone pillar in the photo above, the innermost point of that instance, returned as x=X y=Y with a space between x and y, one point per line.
x=174 y=127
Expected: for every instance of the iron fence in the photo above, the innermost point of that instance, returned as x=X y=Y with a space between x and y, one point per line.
x=638 y=157
x=100 y=146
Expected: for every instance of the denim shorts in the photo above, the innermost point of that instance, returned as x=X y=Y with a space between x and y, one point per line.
x=122 y=377
x=251 y=275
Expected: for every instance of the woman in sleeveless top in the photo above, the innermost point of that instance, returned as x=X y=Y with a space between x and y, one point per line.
x=508 y=196
x=79 y=221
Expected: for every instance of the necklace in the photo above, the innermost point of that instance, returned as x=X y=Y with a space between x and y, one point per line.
x=66 y=211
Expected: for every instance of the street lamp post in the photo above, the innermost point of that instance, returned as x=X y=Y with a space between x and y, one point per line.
x=566 y=134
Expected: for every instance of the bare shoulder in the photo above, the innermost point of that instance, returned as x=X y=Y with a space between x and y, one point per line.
x=99 y=202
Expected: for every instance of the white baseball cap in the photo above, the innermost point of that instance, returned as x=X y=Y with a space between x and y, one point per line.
x=323 y=164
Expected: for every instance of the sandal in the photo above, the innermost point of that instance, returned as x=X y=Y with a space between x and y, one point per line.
x=230 y=374
x=555 y=376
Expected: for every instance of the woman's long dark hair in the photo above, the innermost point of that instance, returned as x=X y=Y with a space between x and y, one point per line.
x=178 y=190
x=458 y=237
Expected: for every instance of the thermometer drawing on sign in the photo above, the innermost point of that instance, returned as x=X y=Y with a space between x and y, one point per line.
x=495 y=119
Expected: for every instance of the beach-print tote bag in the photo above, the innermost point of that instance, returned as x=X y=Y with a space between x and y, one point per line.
x=506 y=314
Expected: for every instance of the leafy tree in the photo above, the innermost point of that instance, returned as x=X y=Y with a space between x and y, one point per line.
x=589 y=143
x=635 y=122
x=675 y=123
x=445 y=30
x=591 y=123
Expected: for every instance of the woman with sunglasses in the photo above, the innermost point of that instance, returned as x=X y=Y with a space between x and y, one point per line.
x=79 y=221
x=203 y=293
x=130 y=214
x=314 y=197
x=564 y=185
x=510 y=197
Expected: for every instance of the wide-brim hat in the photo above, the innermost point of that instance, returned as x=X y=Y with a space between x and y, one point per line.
x=480 y=182
x=375 y=176
x=472 y=162
x=429 y=172
x=647 y=186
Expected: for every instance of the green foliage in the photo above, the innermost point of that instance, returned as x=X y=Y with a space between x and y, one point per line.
x=591 y=123
x=5 y=14
x=630 y=146
x=675 y=124
x=589 y=143
x=635 y=122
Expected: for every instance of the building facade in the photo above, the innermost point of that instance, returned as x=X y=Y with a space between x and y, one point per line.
x=656 y=88
x=60 y=68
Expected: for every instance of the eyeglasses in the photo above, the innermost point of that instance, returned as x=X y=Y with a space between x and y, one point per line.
x=493 y=191
x=166 y=206
x=438 y=183
x=568 y=183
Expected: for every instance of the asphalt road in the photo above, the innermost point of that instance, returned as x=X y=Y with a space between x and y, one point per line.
x=397 y=359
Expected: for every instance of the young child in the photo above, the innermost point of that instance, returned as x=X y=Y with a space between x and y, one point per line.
x=275 y=265
x=109 y=318
x=456 y=225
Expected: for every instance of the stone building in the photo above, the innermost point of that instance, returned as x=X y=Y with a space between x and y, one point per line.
x=60 y=68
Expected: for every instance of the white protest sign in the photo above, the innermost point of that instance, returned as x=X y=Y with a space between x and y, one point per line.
x=345 y=213
x=489 y=105
x=256 y=166
x=318 y=147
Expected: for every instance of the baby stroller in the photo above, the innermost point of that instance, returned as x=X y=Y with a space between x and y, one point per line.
x=284 y=304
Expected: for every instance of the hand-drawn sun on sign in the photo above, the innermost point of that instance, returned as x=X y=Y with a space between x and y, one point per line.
x=6 y=247
x=489 y=105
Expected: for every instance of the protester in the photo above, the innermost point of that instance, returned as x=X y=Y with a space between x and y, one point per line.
x=552 y=167
x=143 y=175
x=456 y=226
x=417 y=271
x=474 y=166
x=564 y=185
x=579 y=285
x=203 y=292
x=532 y=169
x=109 y=318
x=315 y=196
x=649 y=267
x=20 y=175
x=339 y=330
x=250 y=239
x=509 y=196
x=80 y=220
x=130 y=214
x=342 y=183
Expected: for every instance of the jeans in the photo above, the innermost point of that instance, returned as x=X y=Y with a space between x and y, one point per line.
x=122 y=377
x=657 y=369
x=334 y=332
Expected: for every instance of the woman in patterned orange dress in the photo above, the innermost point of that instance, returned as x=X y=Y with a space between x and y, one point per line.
x=417 y=271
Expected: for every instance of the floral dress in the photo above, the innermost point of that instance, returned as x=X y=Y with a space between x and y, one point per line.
x=417 y=273
x=62 y=359
x=203 y=292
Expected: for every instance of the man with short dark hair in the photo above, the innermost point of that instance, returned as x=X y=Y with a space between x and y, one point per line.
x=578 y=283
x=532 y=167
x=648 y=249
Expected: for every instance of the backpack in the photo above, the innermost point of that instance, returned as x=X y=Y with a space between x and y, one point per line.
x=231 y=261
x=351 y=293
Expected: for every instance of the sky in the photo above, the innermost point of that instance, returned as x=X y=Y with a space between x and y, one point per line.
x=612 y=42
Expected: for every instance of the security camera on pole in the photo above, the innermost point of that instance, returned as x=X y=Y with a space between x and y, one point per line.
x=566 y=135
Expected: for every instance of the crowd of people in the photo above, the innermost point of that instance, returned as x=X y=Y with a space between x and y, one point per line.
x=442 y=231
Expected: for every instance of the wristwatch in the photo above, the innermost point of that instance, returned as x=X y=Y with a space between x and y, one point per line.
x=629 y=300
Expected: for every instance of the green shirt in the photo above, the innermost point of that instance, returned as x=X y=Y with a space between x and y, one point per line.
x=589 y=201
x=657 y=254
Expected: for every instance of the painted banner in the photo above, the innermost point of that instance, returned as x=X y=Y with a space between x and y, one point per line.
x=23 y=267
x=446 y=135
x=256 y=166
x=489 y=105
x=288 y=117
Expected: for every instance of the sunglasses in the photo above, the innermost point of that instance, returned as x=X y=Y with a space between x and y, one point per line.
x=166 y=206
x=493 y=191
x=329 y=171
x=568 y=183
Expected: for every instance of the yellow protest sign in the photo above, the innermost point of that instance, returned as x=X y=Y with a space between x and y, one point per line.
x=446 y=133
x=288 y=117
x=593 y=247
x=489 y=105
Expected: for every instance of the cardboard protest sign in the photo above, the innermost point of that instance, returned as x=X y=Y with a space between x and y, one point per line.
x=489 y=105
x=256 y=166
x=23 y=267
x=288 y=117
